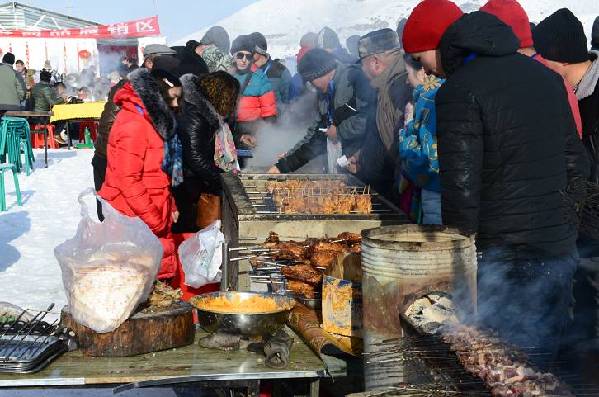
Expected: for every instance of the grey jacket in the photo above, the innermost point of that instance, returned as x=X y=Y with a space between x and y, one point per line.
x=352 y=101
x=12 y=91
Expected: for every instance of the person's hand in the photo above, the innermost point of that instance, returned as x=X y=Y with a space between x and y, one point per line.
x=409 y=112
x=274 y=170
x=248 y=140
x=332 y=133
x=175 y=216
x=352 y=167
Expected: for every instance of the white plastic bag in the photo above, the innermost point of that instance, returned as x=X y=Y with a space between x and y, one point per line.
x=108 y=268
x=201 y=256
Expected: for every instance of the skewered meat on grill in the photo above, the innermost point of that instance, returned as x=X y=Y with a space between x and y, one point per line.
x=302 y=289
x=273 y=238
x=323 y=258
x=350 y=238
x=323 y=245
x=363 y=204
x=303 y=272
x=290 y=251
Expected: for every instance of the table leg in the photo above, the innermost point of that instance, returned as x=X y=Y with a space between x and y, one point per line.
x=69 y=141
x=314 y=388
x=46 y=146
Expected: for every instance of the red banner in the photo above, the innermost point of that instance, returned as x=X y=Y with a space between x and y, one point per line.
x=132 y=29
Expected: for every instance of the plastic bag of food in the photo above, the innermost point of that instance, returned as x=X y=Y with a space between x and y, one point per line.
x=108 y=268
x=201 y=256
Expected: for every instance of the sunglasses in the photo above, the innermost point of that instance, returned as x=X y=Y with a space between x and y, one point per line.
x=241 y=56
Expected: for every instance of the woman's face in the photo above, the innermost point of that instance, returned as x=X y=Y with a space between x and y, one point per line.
x=243 y=60
x=173 y=97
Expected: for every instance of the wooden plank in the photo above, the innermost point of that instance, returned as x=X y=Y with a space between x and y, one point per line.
x=27 y=113
x=189 y=363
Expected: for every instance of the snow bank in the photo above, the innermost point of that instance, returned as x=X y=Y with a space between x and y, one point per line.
x=29 y=274
x=284 y=22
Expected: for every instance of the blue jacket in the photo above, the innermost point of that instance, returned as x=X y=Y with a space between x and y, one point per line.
x=418 y=141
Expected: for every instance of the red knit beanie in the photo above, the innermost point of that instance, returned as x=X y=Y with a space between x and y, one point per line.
x=427 y=24
x=512 y=14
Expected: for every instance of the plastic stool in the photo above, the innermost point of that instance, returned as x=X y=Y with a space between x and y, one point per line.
x=88 y=142
x=37 y=136
x=3 y=168
x=15 y=138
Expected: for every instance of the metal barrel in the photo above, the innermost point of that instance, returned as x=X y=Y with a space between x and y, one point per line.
x=402 y=263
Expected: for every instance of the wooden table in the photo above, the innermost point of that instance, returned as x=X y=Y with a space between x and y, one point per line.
x=28 y=114
x=182 y=365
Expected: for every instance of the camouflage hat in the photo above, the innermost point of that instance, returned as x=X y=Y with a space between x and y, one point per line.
x=377 y=42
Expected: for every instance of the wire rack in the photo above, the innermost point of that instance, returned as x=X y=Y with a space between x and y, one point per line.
x=28 y=343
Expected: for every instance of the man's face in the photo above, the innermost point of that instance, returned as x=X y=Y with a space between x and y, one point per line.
x=243 y=60
x=20 y=67
x=173 y=97
x=201 y=48
x=322 y=83
x=372 y=66
x=82 y=94
x=431 y=62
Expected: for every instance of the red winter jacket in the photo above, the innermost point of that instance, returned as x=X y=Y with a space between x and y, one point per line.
x=135 y=184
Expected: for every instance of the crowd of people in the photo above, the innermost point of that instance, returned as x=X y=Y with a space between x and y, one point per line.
x=480 y=121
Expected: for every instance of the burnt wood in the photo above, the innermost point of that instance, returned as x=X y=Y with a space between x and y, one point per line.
x=142 y=333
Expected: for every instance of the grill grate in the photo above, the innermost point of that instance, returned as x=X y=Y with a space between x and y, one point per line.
x=28 y=343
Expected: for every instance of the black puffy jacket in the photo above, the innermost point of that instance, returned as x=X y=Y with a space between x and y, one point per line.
x=107 y=119
x=196 y=126
x=507 y=142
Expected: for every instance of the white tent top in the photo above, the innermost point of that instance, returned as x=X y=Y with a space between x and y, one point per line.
x=18 y=16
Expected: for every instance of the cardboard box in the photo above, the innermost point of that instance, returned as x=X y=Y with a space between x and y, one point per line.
x=342 y=297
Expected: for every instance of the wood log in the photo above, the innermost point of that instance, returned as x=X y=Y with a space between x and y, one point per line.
x=142 y=333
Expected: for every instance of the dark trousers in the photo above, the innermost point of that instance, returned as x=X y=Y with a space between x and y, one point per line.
x=527 y=300
x=99 y=164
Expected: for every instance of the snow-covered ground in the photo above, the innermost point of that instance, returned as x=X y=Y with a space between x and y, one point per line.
x=284 y=22
x=29 y=274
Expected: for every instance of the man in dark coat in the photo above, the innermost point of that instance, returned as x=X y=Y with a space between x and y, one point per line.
x=207 y=100
x=560 y=38
x=595 y=37
x=382 y=62
x=507 y=148
x=344 y=103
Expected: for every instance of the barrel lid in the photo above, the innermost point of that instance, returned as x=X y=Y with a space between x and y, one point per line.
x=416 y=237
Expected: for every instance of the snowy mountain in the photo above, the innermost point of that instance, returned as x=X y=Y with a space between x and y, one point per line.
x=284 y=22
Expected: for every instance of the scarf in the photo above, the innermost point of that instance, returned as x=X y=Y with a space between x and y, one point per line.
x=387 y=114
x=225 y=152
x=587 y=85
x=172 y=163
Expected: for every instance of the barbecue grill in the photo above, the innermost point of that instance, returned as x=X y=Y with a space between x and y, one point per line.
x=28 y=344
x=250 y=213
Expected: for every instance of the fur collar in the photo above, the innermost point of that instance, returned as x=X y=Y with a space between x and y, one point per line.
x=192 y=95
x=146 y=87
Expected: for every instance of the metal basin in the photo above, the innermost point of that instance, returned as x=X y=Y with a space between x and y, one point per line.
x=250 y=324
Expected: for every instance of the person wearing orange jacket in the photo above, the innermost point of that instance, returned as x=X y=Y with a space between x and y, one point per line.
x=257 y=100
x=136 y=184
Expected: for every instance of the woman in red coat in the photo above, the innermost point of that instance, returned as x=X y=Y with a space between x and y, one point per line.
x=136 y=184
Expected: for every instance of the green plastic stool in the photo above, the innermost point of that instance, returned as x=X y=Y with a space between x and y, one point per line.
x=89 y=143
x=15 y=138
x=3 y=168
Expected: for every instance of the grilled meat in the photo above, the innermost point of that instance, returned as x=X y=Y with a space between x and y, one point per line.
x=350 y=238
x=303 y=272
x=323 y=245
x=302 y=289
x=273 y=238
x=290 y=251
x=323 y=258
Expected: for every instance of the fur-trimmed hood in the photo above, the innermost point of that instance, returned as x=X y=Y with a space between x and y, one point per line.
x=193 y=96
x=147 y=89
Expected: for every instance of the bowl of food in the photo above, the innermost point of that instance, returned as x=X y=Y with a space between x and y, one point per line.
x=245 y=313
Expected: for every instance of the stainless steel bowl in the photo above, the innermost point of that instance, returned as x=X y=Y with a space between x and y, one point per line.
x=250 y=324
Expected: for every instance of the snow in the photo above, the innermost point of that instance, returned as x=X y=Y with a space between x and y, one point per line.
x=29 y=274
x=284 y=22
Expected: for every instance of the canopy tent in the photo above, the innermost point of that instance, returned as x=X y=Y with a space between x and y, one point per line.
x=71 y=44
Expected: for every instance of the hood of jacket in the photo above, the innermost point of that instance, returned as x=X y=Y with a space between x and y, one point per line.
x=192 y=95
x=142 y=92
x=477 y=33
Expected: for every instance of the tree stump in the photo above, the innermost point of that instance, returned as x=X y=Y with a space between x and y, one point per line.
x=142 y=333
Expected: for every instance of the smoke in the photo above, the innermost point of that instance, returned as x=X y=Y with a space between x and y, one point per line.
x=276 y=139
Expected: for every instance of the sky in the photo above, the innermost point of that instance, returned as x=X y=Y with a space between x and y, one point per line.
x=177 y=18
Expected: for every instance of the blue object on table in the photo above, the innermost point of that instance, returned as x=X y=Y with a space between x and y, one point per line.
x=245 y=153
